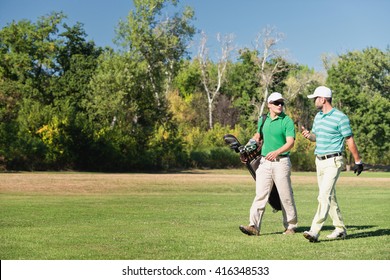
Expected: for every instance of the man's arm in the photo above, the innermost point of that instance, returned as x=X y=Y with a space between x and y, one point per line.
x=355 y=153
x=256 y=136
x=353 y=148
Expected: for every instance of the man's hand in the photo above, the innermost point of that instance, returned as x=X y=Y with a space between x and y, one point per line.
x=305 y=133
x=271 y=155
x=358 y=169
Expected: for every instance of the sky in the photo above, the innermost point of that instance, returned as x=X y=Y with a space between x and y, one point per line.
x=311 y=28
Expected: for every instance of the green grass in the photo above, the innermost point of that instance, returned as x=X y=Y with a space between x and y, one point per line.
x=187 y=216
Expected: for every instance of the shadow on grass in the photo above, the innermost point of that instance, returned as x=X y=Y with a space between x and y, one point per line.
x=364 y=234
x=378 y=232
x=325 y=228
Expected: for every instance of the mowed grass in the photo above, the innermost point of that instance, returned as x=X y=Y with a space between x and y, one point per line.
x=182 y=216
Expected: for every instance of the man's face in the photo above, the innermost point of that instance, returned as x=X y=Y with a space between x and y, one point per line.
x=319 y=102
x=276 y=106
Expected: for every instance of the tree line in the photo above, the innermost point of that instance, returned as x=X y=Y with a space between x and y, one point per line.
x=67 y=104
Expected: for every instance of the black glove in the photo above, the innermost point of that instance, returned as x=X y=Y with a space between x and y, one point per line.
x=358 y=169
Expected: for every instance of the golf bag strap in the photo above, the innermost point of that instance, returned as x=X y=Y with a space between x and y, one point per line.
x=263 y=118
x=251 y=156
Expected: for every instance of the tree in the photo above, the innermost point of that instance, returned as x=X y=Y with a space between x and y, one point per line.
x=160 y=42
x=27 y=65
x=360 y=83
x=242 y=87
x=28 y=53
x=213 y=75
x=127 y=105
x=187 y=101
x=121 y=111
x=153 y=45
x=269 y=60
x=300 y=82
x=44 y=75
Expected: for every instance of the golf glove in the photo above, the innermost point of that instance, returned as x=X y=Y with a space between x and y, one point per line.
x=251 y=145
x=358 y=168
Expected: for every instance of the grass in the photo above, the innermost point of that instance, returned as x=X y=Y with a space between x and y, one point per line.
x=183 y=216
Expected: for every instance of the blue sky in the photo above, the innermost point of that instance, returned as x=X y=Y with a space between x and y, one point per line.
x=311 y=27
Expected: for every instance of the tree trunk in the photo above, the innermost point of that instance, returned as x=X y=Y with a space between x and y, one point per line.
x=263 y=103
x=211 y=115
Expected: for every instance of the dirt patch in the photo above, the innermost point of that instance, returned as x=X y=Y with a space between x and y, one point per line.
x=79 y=183
x=94 y=183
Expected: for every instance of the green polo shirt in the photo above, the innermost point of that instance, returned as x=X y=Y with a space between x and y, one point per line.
x=275 y=132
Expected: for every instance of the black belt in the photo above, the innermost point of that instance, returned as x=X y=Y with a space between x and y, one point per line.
x=329 y=156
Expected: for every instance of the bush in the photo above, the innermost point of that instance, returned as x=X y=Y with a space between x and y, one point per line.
x=215 y=158
x=302 y=155
x=165 y=150
x=199 y=159
x=207 y=149
x=223 y=158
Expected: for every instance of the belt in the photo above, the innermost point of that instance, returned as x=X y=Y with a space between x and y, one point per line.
x=278 y=158
x=329 y=156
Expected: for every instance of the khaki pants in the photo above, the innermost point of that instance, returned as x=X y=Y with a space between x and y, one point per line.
x=267 y=173
x=328 y=172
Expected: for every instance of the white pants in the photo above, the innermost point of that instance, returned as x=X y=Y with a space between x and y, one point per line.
x=267 y=173
x=328 y=172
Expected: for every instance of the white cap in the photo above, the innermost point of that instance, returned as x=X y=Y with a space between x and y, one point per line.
x=321 y=91
x=274 y=96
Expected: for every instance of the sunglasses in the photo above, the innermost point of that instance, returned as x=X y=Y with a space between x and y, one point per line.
x=277 y=103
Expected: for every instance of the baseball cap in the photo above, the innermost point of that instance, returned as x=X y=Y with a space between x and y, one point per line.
x=321 y=91
x=274 y=96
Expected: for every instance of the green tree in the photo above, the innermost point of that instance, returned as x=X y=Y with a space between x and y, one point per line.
x=77 y=61
x=27 y=62
x=361 y=85
x=153 y=46
x=160 y=42
x=187 y=100
x=300 y=82
x=119 y=109
x=43 y=78
x=243 y=88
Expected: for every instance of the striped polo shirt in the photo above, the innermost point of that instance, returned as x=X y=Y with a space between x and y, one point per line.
x=330 y=129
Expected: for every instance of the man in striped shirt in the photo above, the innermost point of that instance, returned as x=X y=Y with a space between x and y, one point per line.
x=330 y=129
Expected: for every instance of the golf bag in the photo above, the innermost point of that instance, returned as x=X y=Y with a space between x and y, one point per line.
x=251 y=159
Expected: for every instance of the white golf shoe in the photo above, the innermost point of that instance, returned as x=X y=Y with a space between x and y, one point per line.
x=336 y=234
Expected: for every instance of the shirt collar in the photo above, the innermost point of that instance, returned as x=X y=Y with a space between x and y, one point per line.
x=281 y=116
x=327 y=114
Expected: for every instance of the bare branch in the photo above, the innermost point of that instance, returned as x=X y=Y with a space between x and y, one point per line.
x=212 y=89
x=265 y=45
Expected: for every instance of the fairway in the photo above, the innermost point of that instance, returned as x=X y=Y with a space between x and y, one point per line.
x=191 y=215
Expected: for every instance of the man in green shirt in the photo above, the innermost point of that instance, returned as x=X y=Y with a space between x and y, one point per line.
x=330 y=129
x=278 y=134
